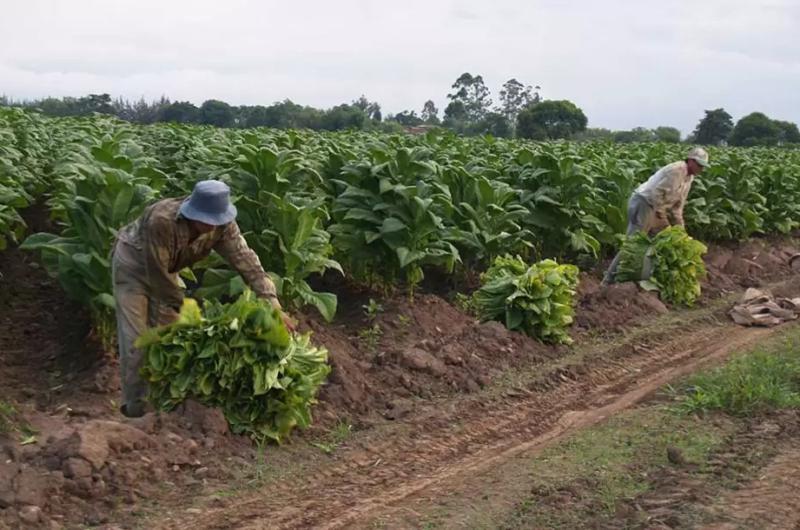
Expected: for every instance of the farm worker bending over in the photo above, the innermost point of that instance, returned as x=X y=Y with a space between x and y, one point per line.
x=170 y=235
x=664 y=194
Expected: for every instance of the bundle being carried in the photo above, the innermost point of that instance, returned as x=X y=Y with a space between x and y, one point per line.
x=239 y=357
x=670 y=262
x=537 y=299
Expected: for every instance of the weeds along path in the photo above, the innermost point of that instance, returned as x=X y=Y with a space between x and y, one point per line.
x=437 y=450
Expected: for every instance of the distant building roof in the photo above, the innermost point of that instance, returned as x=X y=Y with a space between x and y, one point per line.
x=418 y=129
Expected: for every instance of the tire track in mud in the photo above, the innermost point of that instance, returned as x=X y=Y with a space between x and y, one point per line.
x=770 y=501
x=473 y=436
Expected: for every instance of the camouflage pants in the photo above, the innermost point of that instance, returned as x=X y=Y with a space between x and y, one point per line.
x=136 y=309
x=641 y=218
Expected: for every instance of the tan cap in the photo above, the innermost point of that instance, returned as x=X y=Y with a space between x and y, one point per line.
x=699 y=155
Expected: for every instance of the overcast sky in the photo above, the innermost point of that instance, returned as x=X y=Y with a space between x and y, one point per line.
x=626 y=63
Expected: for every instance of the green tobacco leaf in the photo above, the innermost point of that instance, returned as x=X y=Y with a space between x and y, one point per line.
x=238 y=357
x=391 y=224
x=677 y=264
x=536 y=299
x=648 y=285
x=40 y=241
x=107 y=300
x=325 y=303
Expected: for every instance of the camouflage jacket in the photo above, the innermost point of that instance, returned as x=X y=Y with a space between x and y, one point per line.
x=162 y=238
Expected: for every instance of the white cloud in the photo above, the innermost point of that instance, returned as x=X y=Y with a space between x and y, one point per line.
x=626 y=62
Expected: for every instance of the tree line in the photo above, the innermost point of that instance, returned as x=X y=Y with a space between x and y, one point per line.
x=519 y=112
x=756 y=128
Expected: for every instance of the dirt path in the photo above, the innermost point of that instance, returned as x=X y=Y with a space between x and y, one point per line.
x=441 y=449
x=769 y=502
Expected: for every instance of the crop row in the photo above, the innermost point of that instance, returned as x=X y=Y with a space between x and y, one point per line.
x=383 y=209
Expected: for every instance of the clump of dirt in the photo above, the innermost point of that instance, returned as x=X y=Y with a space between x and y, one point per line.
x=613 y=307
x=414 y=349
x=81 y=469
x=752 y=264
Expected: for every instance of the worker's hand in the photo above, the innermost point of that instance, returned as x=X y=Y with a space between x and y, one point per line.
x=166 y=313
x=288 y=321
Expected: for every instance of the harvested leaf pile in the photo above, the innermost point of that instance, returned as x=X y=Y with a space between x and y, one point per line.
x=238 y=357
x=537 y=299
x=670 y=262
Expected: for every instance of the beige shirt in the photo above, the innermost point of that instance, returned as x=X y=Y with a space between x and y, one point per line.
x=666 y=191
x=162 y=238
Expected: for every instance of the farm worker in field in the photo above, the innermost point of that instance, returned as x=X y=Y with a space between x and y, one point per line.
x=170 y=235
x=663 y=195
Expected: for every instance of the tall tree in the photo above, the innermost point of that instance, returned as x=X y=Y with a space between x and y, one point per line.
x=472 y=92
x=95 y=103
x=215 y=112
x=494 y=123
x=667 y=134
x=123 y=109
x=756 y=129
x=57 y=107
x=371 y=108
x=456 y=117
x=430 y=114
x=637 y=134
x=789 y=133
x=179 y=112
x=514 y=96
x=343 y=117
x=408 y=118
x=714 y=128
x=551 y=120
x=140 y=111
x=362 y=102
x=257 y=116
x=286 y=115
x=147 y=113
x=374 y=111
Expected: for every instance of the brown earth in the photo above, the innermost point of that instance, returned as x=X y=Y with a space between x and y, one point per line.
x=750 y=482
x=429 y=348
x=770 y=501
x=423 y=391
x=451 y=444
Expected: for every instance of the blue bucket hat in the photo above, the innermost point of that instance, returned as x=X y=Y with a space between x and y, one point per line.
x=210 y=203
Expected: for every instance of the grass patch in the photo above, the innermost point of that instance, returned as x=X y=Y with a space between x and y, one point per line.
x=586 y=477
x=370 y=337
x=7 y=417
x=334 y=438
x=764 y=380
x=11 y=421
